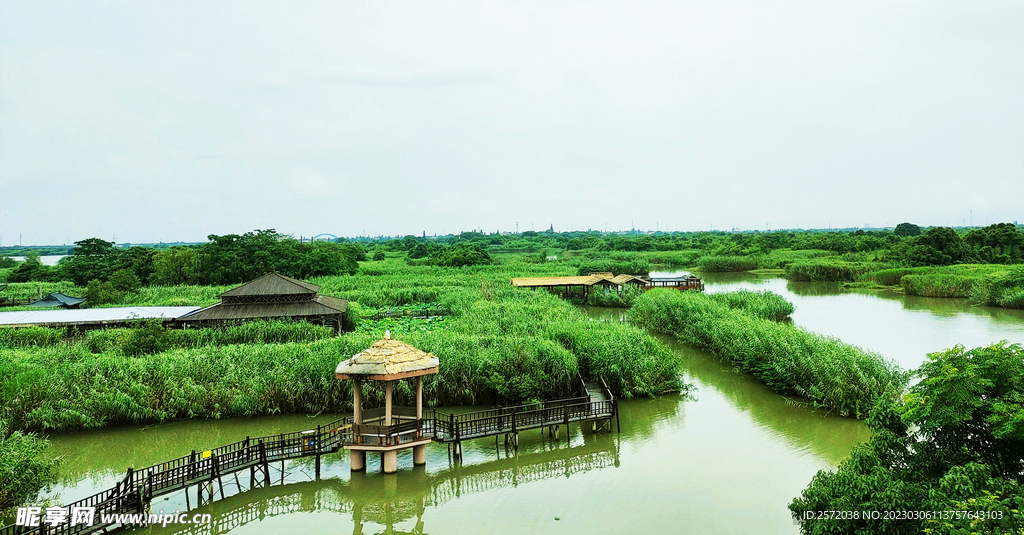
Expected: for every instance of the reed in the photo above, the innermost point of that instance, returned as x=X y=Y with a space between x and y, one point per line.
x=792 y=361
x=24 y=467
x=827 y=270
x=722 y=264
x=765 y=304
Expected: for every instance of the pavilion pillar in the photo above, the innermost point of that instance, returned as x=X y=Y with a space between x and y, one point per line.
x=419 y=453
x=357 y=459
x=388 y=388
x=357 y=402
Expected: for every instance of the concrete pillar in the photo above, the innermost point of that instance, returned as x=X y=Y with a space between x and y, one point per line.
x=419 y=455
x=357 y=460
x=390 y=462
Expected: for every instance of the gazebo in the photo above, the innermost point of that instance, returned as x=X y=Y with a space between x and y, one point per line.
x=389 y=428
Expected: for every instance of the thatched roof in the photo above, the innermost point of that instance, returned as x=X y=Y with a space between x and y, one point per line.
x=602 y=278
x=528 y=282
x=272 y=284
x=388 y=359
x=623 y=279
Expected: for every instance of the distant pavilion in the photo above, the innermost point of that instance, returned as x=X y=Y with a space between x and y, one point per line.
x=272 y=296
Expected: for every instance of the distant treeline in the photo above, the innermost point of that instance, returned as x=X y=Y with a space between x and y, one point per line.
x=907 y=244
x=229 y=259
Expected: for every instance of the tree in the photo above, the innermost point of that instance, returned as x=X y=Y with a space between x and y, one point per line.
x=907 y=229
x=125 y=281
x=940 y=246
x=33 y=270
x=102 y=293
x=378 y=256
x=463 y=254
x=954 y=443
x=177 y=265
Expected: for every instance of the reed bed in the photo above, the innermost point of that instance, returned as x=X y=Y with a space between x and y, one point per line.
x=828 y=270
x=765 y=304
x=793 y=362
x=725 y=263
x=24 y=467
x=500 y=345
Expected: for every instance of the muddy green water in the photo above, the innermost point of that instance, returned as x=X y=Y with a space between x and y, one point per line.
x=726 y=462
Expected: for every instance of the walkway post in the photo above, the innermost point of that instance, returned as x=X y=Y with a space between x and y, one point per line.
x=317 y=446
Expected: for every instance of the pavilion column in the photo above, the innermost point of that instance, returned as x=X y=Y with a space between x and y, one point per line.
x=357 y=459
x=357 y=401
x=388 y=388
x=419 y=453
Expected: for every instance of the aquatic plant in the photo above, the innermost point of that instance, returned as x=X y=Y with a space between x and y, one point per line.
x=792 y=361
x=725 y=263
x=24 y=467
x=827 y=270
x=764 y=304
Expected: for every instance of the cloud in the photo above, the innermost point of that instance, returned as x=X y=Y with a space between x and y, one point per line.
x=422 y=78
x=308 y=182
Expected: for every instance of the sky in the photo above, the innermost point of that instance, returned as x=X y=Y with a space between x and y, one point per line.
x=171 y=120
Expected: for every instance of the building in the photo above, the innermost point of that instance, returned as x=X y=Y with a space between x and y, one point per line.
x=57 y=300
x=272 y=296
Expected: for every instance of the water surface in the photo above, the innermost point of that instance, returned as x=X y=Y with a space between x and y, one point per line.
x=727 y=461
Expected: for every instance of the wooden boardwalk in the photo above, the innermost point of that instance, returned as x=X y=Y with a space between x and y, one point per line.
x=137 y=490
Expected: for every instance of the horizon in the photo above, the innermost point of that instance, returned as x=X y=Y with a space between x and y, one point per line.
x=170 y=121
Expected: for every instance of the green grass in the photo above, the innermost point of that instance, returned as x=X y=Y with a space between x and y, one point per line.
x=724 y=264
x=501 y=345
x=985 y=284
x=767 y=305
x=828 y=270
x=24 y=467
x=792 y=361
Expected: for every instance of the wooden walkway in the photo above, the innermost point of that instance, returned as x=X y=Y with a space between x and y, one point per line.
x=137 y=490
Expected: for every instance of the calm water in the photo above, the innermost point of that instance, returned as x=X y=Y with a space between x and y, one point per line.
x=727 y=462
x=47 y=260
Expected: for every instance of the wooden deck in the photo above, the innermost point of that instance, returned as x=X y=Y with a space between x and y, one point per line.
x=137 y=490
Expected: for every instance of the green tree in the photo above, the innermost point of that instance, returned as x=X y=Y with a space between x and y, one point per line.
x=125 y=281
x=102 y=293
x=954 y=443
x=463 y=254
x=907 y=229
x=378 y=256
x=177 y=265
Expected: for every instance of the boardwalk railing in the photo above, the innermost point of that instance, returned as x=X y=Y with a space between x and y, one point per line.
x=459 y=427
x=139 y=487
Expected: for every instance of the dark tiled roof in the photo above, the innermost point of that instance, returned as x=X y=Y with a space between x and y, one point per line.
x=272 y=284
x=320 y=305
x=57 y=300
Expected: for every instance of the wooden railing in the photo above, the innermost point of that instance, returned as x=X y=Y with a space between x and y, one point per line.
x=139 y=487
x=459 y=427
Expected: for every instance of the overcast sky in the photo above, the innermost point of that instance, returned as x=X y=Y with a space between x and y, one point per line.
x=171 y=120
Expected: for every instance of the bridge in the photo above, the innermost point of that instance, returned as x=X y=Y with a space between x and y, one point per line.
x=206 y=470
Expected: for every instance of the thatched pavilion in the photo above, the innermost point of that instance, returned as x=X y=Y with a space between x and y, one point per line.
x=389 y=428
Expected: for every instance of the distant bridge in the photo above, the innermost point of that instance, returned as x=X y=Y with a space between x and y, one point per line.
x=324 y=237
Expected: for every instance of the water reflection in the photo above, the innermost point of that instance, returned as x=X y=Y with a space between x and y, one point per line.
x=393 y=503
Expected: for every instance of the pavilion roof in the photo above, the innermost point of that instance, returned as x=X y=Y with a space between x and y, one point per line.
x=272 y=284
x=388 y=359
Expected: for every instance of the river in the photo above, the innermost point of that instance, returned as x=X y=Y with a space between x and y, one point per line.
x=726 y=462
